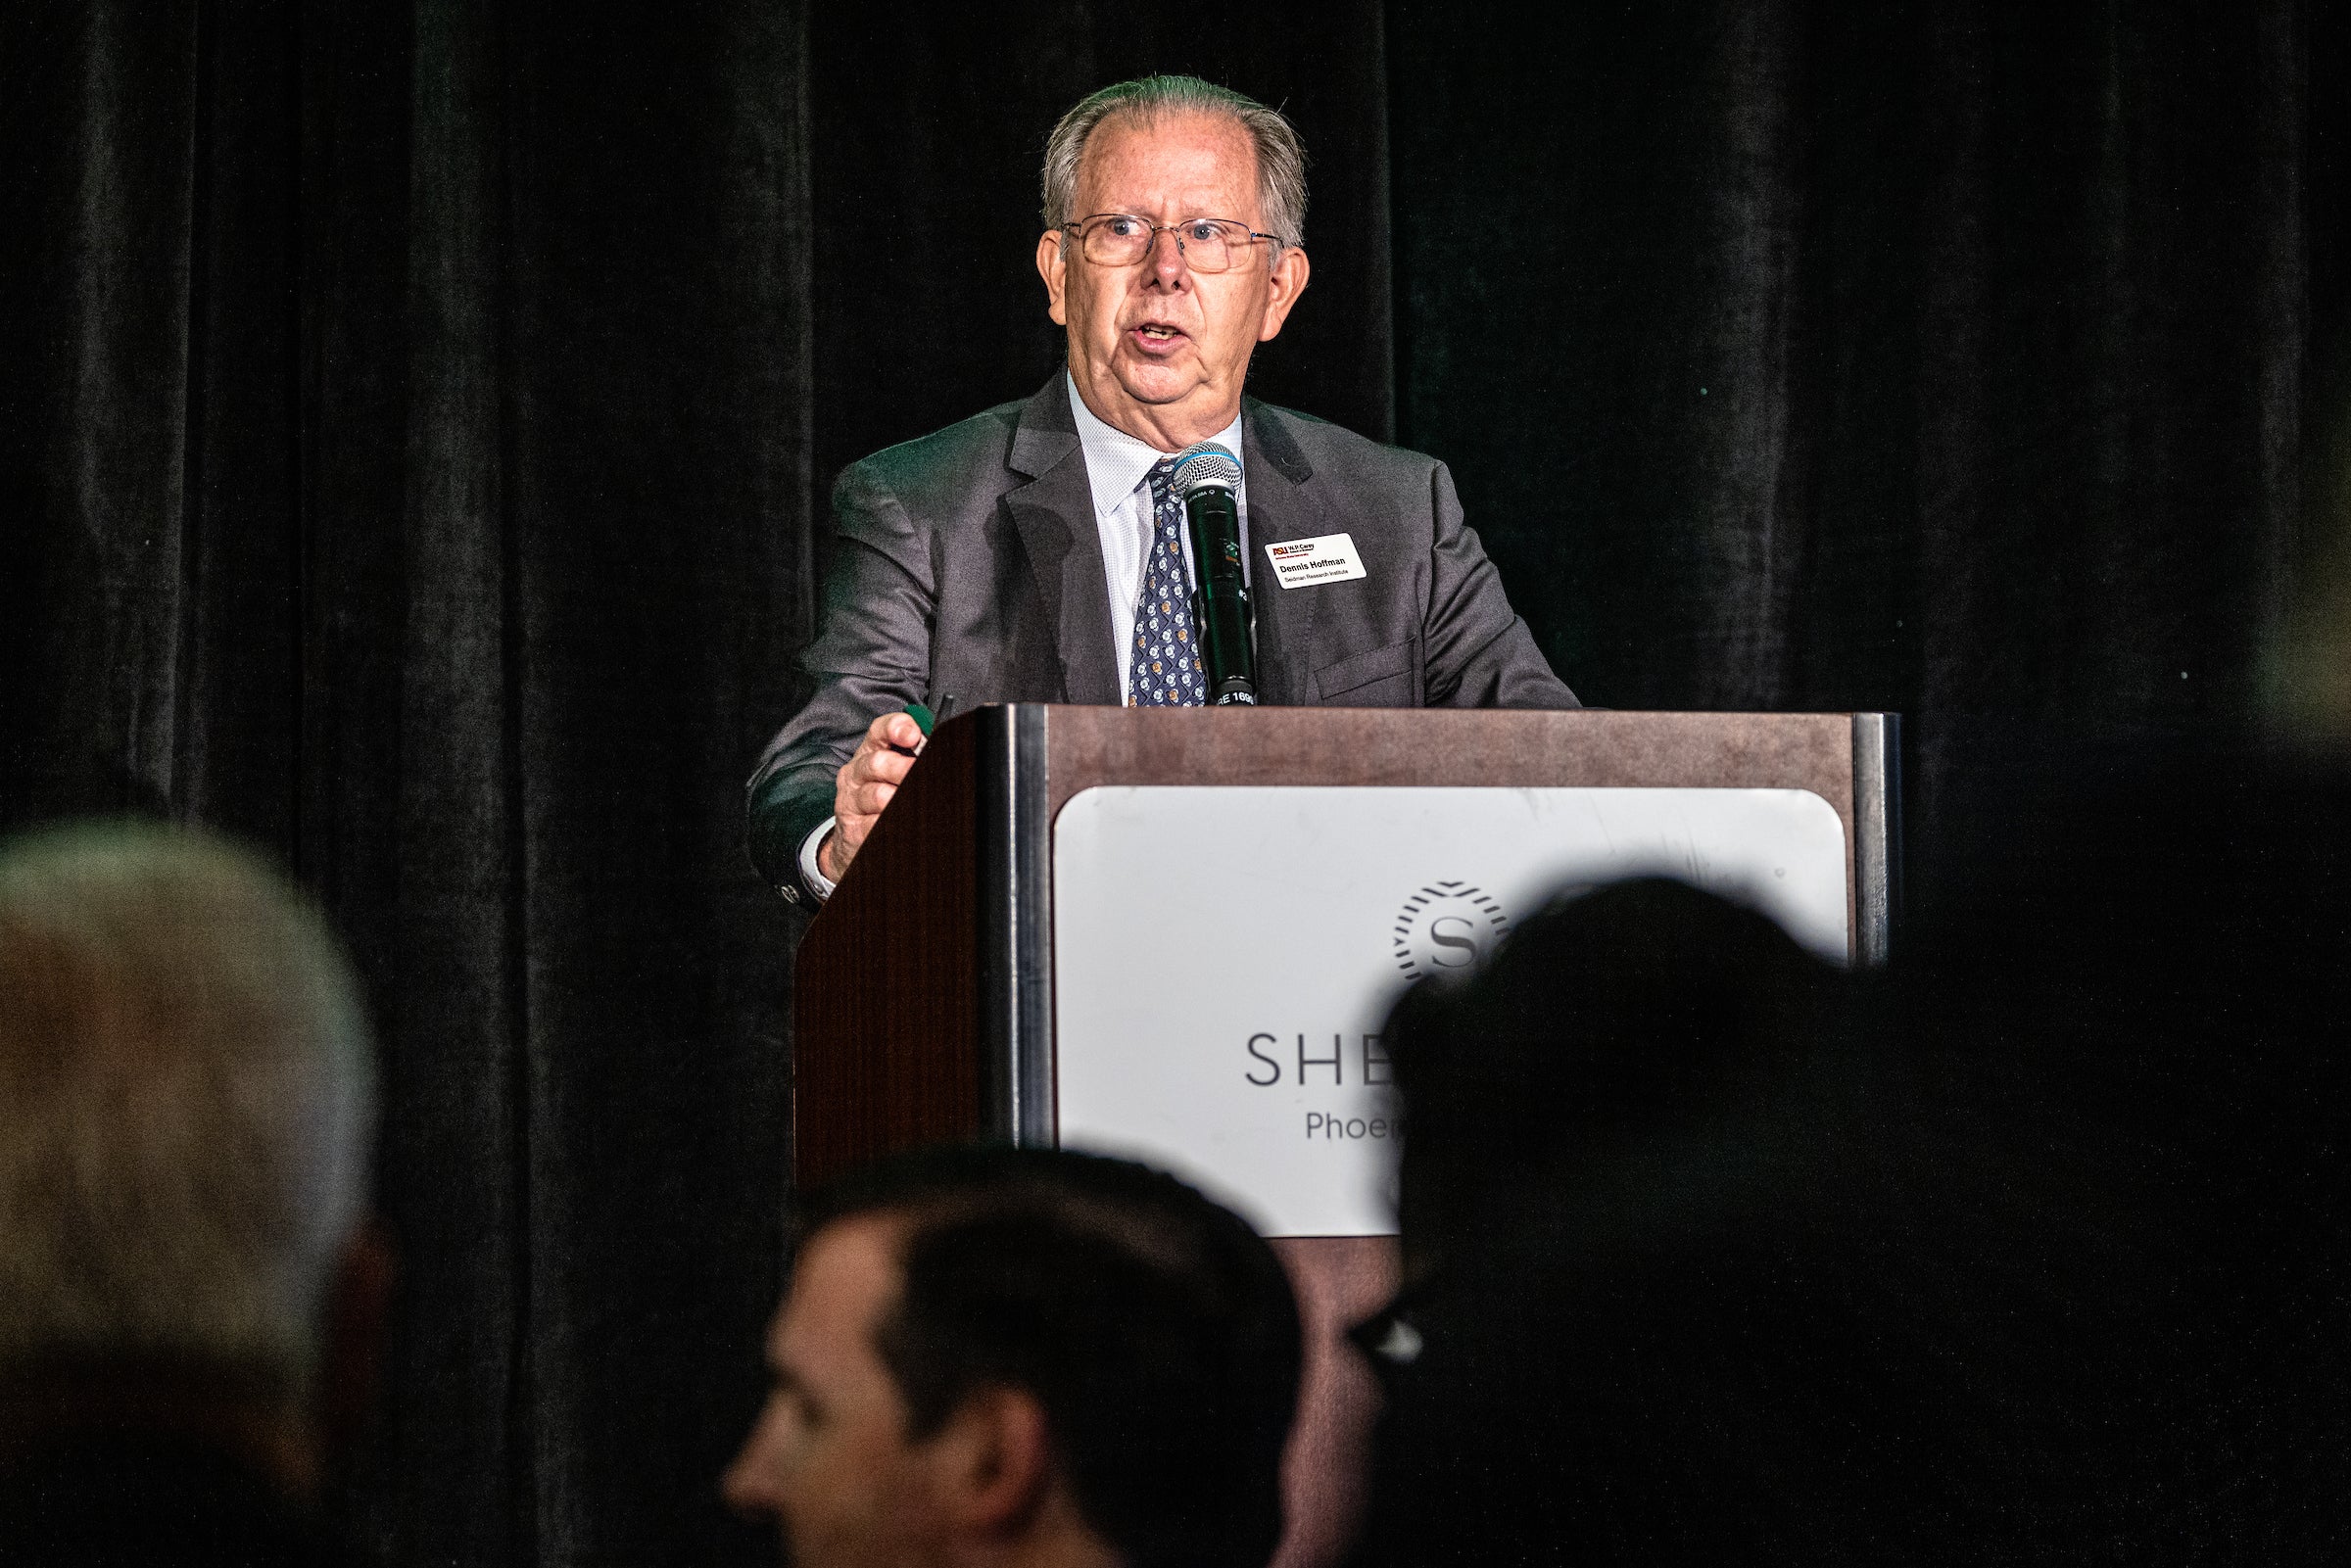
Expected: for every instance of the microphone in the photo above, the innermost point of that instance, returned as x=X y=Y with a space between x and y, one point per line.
x=1203 y=479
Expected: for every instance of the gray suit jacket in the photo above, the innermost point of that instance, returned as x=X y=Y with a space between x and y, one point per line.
x=968 y=562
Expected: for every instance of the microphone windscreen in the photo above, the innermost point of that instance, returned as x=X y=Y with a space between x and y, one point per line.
x=1202 y=467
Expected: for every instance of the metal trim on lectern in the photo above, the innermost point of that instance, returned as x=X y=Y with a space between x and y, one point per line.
x=1016 y=927
x=1877 y=833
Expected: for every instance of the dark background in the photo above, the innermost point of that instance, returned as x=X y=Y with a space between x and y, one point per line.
x=413 y=418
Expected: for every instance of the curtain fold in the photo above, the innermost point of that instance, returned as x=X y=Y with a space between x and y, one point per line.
x=405 y=462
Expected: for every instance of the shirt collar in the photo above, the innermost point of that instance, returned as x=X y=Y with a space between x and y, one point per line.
x=1116 y=463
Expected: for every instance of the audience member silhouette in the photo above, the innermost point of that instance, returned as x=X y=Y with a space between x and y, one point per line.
x=1026 y=1357
x=2030 y=1249
x=188 y=1292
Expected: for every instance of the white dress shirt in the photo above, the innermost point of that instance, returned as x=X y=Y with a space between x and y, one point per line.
x=1118 y=470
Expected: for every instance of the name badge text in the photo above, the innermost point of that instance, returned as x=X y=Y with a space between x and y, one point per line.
x=1298 y=562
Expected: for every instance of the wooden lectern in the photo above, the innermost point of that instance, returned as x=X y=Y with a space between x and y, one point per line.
x=926 y=991
x=924 y=1008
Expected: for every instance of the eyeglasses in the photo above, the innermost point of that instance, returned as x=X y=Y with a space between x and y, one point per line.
x=1208 y=244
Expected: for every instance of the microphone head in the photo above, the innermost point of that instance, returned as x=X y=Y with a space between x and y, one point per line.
x=1207 y=466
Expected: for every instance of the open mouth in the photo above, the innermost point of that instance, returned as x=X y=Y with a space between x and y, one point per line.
x=1157 y=336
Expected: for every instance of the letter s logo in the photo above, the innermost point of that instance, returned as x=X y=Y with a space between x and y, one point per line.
x=1446 y=928
x=1449 y=933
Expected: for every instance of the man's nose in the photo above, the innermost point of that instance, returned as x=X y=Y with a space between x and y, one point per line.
x=1167 y=263
x=746 y=1485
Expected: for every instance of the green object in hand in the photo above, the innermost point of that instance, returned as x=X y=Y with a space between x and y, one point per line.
x=922 y=718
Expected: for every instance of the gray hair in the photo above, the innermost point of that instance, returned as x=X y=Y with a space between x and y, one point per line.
x=1280 y=156
x=186 y=1103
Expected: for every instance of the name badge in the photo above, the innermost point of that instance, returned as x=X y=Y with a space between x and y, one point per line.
x=1332 y=558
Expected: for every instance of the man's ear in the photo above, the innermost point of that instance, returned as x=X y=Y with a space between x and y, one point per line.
x=1050 y=266
x=995 y=1461
x=1287 y=283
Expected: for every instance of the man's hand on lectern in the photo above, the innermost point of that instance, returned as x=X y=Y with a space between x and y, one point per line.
x=865 y=785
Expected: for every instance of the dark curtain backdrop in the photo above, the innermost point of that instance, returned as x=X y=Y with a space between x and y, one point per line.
x=414 y=419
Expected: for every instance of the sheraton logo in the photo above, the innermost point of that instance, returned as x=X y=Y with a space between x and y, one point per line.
x=1447 y=928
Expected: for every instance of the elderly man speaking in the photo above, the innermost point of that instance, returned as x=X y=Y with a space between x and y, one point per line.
x=1036 y=554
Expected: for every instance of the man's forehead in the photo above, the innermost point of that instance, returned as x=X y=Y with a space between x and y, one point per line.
x=842 y=1277
x=1192 y=151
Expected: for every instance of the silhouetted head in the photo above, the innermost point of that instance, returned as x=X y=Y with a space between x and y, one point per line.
x=187 y=1106
x=1716 y=1252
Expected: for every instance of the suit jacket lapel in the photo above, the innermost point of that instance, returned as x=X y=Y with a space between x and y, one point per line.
x=1282 y=505
x=1055 y=515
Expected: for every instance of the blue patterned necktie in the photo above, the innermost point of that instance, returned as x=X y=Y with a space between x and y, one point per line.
x=1165 y=669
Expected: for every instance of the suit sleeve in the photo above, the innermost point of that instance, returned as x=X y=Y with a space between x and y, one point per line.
x=1477 y=653
x=872 y=655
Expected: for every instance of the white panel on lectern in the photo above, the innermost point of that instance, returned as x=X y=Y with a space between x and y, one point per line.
x=1224 y=957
